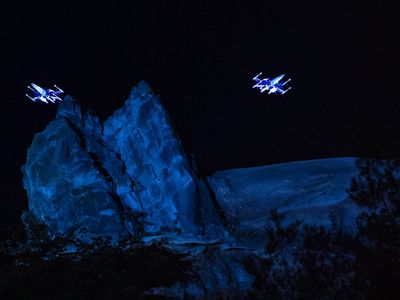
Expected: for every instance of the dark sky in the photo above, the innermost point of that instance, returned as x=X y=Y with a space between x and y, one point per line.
x=200 y=59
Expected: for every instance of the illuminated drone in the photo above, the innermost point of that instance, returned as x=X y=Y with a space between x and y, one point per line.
x=44 y=95
x=271 y=85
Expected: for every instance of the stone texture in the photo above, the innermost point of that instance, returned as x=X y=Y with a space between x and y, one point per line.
x=107 y=178
x=68 y=187
x=168 y=187
x=310 y=191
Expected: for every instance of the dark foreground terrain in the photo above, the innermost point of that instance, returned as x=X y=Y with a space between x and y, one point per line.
x=299 y=261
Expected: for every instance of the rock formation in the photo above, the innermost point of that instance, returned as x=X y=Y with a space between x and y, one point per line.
x=128 y=175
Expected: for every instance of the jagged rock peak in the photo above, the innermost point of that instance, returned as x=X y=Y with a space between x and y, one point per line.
x=69 y=107
x=140 y=90
x=142 y=133
x=108 y=179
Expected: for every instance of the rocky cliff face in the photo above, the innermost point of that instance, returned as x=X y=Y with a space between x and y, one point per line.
x=122 y=177
x=165 y=183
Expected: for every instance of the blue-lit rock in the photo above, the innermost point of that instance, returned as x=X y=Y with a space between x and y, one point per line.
x=167 y=186
x=83 y=174
x=312 y=191
x=67 y=177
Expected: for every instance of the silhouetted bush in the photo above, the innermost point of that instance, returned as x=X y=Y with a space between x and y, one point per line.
x=34 y=266
x=280 y=236
x=377 y=186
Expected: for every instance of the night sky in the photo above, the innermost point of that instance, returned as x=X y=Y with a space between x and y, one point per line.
x=200 y=58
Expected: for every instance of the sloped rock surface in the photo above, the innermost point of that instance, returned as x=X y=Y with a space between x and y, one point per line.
x=311 y=191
